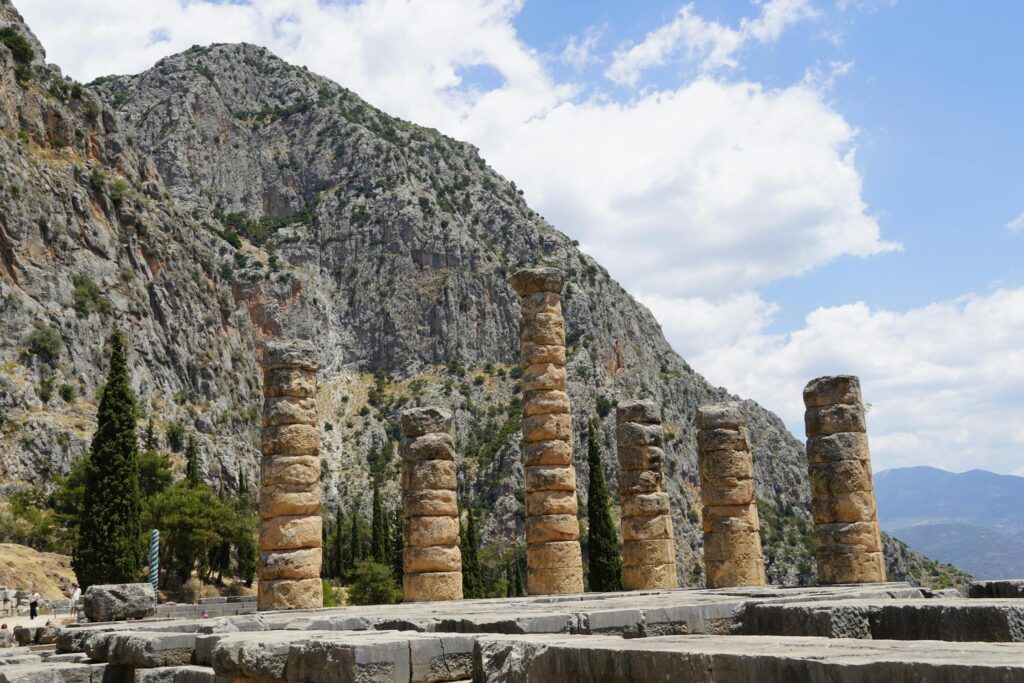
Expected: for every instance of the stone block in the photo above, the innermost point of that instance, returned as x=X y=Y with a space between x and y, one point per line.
x=734 y=572
x=115 y=602
x=1001 y=588
x=841 y=446
x=286 y=533
x=554 y=452
x=646 y=505
x=732 y=545
x=541 y=302
x=636 y=434
x=641 y=457
x=729 y=518
x=430 y=586
x=530 y=281
x=429 y=503
x=723 y=440
x=421 y=531
x=850 y=568
x=551 y=503
x=295 y=439
x=721 y=416
x=727 y=492
x=554 y=581
x=291 y=594
x=289 y=382
x=429 y=474
x=646 y=528
x=290 y=353
x=285 y=410
x=547 y=427
x=832 y=419
x=433 y=558
x=642 y=411
x=545 y=403
x=824 y=391
x=550 y=478
x=639 y=481
x=636 y=553
x=531 y=354
x=427 y=420
x=543 y=329
x=433 y=446
x=289 y=501
x=716 y=466
x=544 y=377
x=650 y=577
x=302 y=563
x=848 y=537
x=550 y=555
x=548 y=528
x=856 y=506
x=840 y=476
x=290 y=470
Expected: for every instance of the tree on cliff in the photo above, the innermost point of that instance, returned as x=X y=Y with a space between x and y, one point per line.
x=110 y=548
x=380 y=537
x=192 y=462
x=472 y=576
x=604 y=563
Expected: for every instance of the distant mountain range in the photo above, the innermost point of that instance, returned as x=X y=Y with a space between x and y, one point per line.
x=974 y=520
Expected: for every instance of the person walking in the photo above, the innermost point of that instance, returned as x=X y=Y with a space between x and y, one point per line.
x=33 y=604
x=76 y=595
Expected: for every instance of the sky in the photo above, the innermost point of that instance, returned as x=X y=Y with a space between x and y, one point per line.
x=794 y=187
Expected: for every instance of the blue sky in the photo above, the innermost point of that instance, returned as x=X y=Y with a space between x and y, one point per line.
x=806 y=186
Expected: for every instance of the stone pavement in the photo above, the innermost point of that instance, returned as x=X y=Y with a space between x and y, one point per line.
x=815 y=633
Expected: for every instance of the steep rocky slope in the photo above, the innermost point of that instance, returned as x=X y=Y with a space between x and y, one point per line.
x=236 y=198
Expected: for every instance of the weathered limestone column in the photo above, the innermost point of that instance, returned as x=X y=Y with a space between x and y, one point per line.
x=553 y=558
x=849 y=545
x=648 y=543
x=732 y=542
x=290 y=496
x=431 y=555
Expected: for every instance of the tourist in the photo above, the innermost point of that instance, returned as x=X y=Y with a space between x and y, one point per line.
x=76 y=595
x=33 y=604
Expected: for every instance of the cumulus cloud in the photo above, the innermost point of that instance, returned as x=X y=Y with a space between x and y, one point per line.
x=945 y=381
x=711 y=44
x=1017 y=224
x=580 y=52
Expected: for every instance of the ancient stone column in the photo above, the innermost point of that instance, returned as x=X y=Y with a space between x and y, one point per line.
x=648 y=544
x=849 y=545
x=553 y=559
x=431 y=555
x=732 y=543
x=290 y=496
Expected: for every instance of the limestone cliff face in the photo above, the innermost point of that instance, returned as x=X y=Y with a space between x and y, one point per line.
x=387 y=244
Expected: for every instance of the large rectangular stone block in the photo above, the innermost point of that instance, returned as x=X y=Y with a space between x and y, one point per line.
x=641 y=458
x=433 y=446
x=544 y=377
x=291 y=594
x=553 y=452
x=550 y=478
x=421 y=531
x=840 y=476
x=549 y=528
x=632 y=482
x=832 y=419
x=547 y=427
x=289 y=470
x=286 y=533
x=429 y=503
x=551 y=555
x=648 y=577
x=856 y=506
x=429 y=586
x=841 y=446
x=545 y=403
x=289 y=501
x=646 y=505
x=730 y=518
x=659 y=552
x=429 y=474
x=554 y=581
x=294 y=439
x=434 y=558
x=551 y=503
x=850 y=568
x=646 y=528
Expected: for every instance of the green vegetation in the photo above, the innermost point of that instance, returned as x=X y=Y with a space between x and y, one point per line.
x=373 y=584
x=17 y=44
x=109 y=544
x=192 y=462
x=67 y=392
x=88 y=299
x=604 y=563
x=256 y=231
x=472 y=579
x=44 y=342
x=176 y=436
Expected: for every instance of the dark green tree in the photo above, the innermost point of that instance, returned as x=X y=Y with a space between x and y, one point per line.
x=380 y=543
x=355 y=544
x=192 y=462
x=604 y=562
x=520 y=590
x=110 y=548
x=149 y=437
x=373 y=584
x=339 y=544
x=472 y=576
x=398 y=545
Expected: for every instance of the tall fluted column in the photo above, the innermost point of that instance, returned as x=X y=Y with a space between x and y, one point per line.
x=732 y=542
x=849 y=545
x=431 y=555
x=290 y=496
x=648 y=543
x=553 y=559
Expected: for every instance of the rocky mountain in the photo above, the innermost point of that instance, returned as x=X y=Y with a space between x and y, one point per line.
x=225 y=197
x=971 y=519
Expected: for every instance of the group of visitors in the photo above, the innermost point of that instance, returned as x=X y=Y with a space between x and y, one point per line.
x=74 y=594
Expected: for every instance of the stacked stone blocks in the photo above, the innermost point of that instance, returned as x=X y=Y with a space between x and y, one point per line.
x=648 y=543
x=554 y=561
x=431 y=556
x=849 y=544
x=290 y=496
x=732 y=542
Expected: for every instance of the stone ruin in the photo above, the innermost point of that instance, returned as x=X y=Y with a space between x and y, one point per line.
x=848 y=542
x=553 y=558
x=732 y=540
x=648 y=544
x=430 y=554
x=290 y=495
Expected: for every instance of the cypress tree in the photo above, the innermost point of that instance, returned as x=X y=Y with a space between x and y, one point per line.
x=398 y=546
x=149 y=441
x=339 y=562
x=110 y=548
x=380 y=543
x=604 y=561
x=520 y=591
x=472 y=578
x=192 y=462
x=510 y=581
x=355 y=546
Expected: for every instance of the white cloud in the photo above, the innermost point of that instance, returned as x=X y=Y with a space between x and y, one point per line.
x=697 y=325
x=709 y=42
x=946 y=381
x=579 y=52
x=1017 y=224
x=823 y=80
